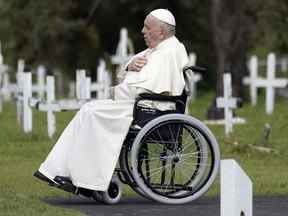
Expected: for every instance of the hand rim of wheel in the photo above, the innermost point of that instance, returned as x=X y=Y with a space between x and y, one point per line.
x=198 y=124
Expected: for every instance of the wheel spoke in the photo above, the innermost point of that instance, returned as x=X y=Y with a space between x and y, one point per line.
x=179 y=158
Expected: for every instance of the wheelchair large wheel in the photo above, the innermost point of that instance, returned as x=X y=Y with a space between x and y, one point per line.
x=174 y=159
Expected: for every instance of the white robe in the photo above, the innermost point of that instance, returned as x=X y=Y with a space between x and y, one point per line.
x=88 y=149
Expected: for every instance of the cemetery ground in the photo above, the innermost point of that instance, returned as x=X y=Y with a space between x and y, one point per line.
x=21 y=155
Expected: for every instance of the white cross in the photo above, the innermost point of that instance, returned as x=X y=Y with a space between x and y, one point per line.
x=227 y=102
x=270 y=83
x=51 y=105
x=192 y=59
x=27 y=121
x=85 y=87
x=19 y=89
x=122 y=55
x=83 y=84
x=103 y=81
x=3 y=80
x=51 y=119
x=40 y=87
x=252 y=80
x=3 y=74
x=192 y=78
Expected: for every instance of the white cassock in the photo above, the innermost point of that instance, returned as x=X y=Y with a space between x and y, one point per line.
x=88 y=149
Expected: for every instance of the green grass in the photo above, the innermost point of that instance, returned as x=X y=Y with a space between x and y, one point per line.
x=21 y=155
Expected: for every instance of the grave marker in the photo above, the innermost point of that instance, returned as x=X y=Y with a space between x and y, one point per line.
x=51 y=119
x=103 y=81
x=19 y=90
x=3 y=80
x=270 y=83
x=40 y=87
x=2 y=72
x=228 y=103
x=51 y=105
x=252 y=80
x=122 y=54
x=194 y=77
x=27 y=94
x=236 y=190
x=85 y=87
x=82 y=85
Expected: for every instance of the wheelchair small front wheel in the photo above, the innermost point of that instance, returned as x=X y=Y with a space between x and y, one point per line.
x=175 y=159
x=112 y=195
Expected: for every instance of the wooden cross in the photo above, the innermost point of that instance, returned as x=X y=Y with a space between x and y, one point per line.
x=40 y=87
x=121 y=55
x=83 y=85
x=252 y=80
x=194 y=78
x=228 y=103
x=50 y=105
x=103 y=81
x=3 y=70
x=270 y=83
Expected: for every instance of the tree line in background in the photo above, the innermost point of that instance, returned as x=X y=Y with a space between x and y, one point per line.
x=74 y=34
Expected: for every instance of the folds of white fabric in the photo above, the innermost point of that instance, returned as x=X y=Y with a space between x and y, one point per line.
x=89 y=147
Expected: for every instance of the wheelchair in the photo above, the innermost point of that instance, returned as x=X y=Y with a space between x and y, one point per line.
x=167 y=156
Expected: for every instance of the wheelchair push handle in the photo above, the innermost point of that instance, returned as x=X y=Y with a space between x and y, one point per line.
x=195 y=69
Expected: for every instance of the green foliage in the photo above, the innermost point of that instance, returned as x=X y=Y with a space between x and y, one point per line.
x=49 y=32
x=271 y=31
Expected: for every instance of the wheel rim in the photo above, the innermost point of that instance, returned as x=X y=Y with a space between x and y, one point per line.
x=176 y=165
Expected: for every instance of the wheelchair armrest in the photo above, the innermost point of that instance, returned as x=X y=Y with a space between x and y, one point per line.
x=180 y=102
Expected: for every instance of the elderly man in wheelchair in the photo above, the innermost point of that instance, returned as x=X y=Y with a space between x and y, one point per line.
x=162 y=153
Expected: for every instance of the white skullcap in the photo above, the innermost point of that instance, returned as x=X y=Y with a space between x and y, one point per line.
x=164 y=15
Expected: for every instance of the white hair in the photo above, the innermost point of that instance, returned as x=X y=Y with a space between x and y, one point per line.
x=169 y=29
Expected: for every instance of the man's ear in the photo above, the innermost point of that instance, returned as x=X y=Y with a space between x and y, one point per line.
x=162 y=33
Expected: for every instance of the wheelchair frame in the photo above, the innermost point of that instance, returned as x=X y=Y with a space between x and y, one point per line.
x=185 y=154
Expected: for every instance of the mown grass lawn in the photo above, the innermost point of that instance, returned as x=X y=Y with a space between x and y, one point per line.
x=21 y=155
